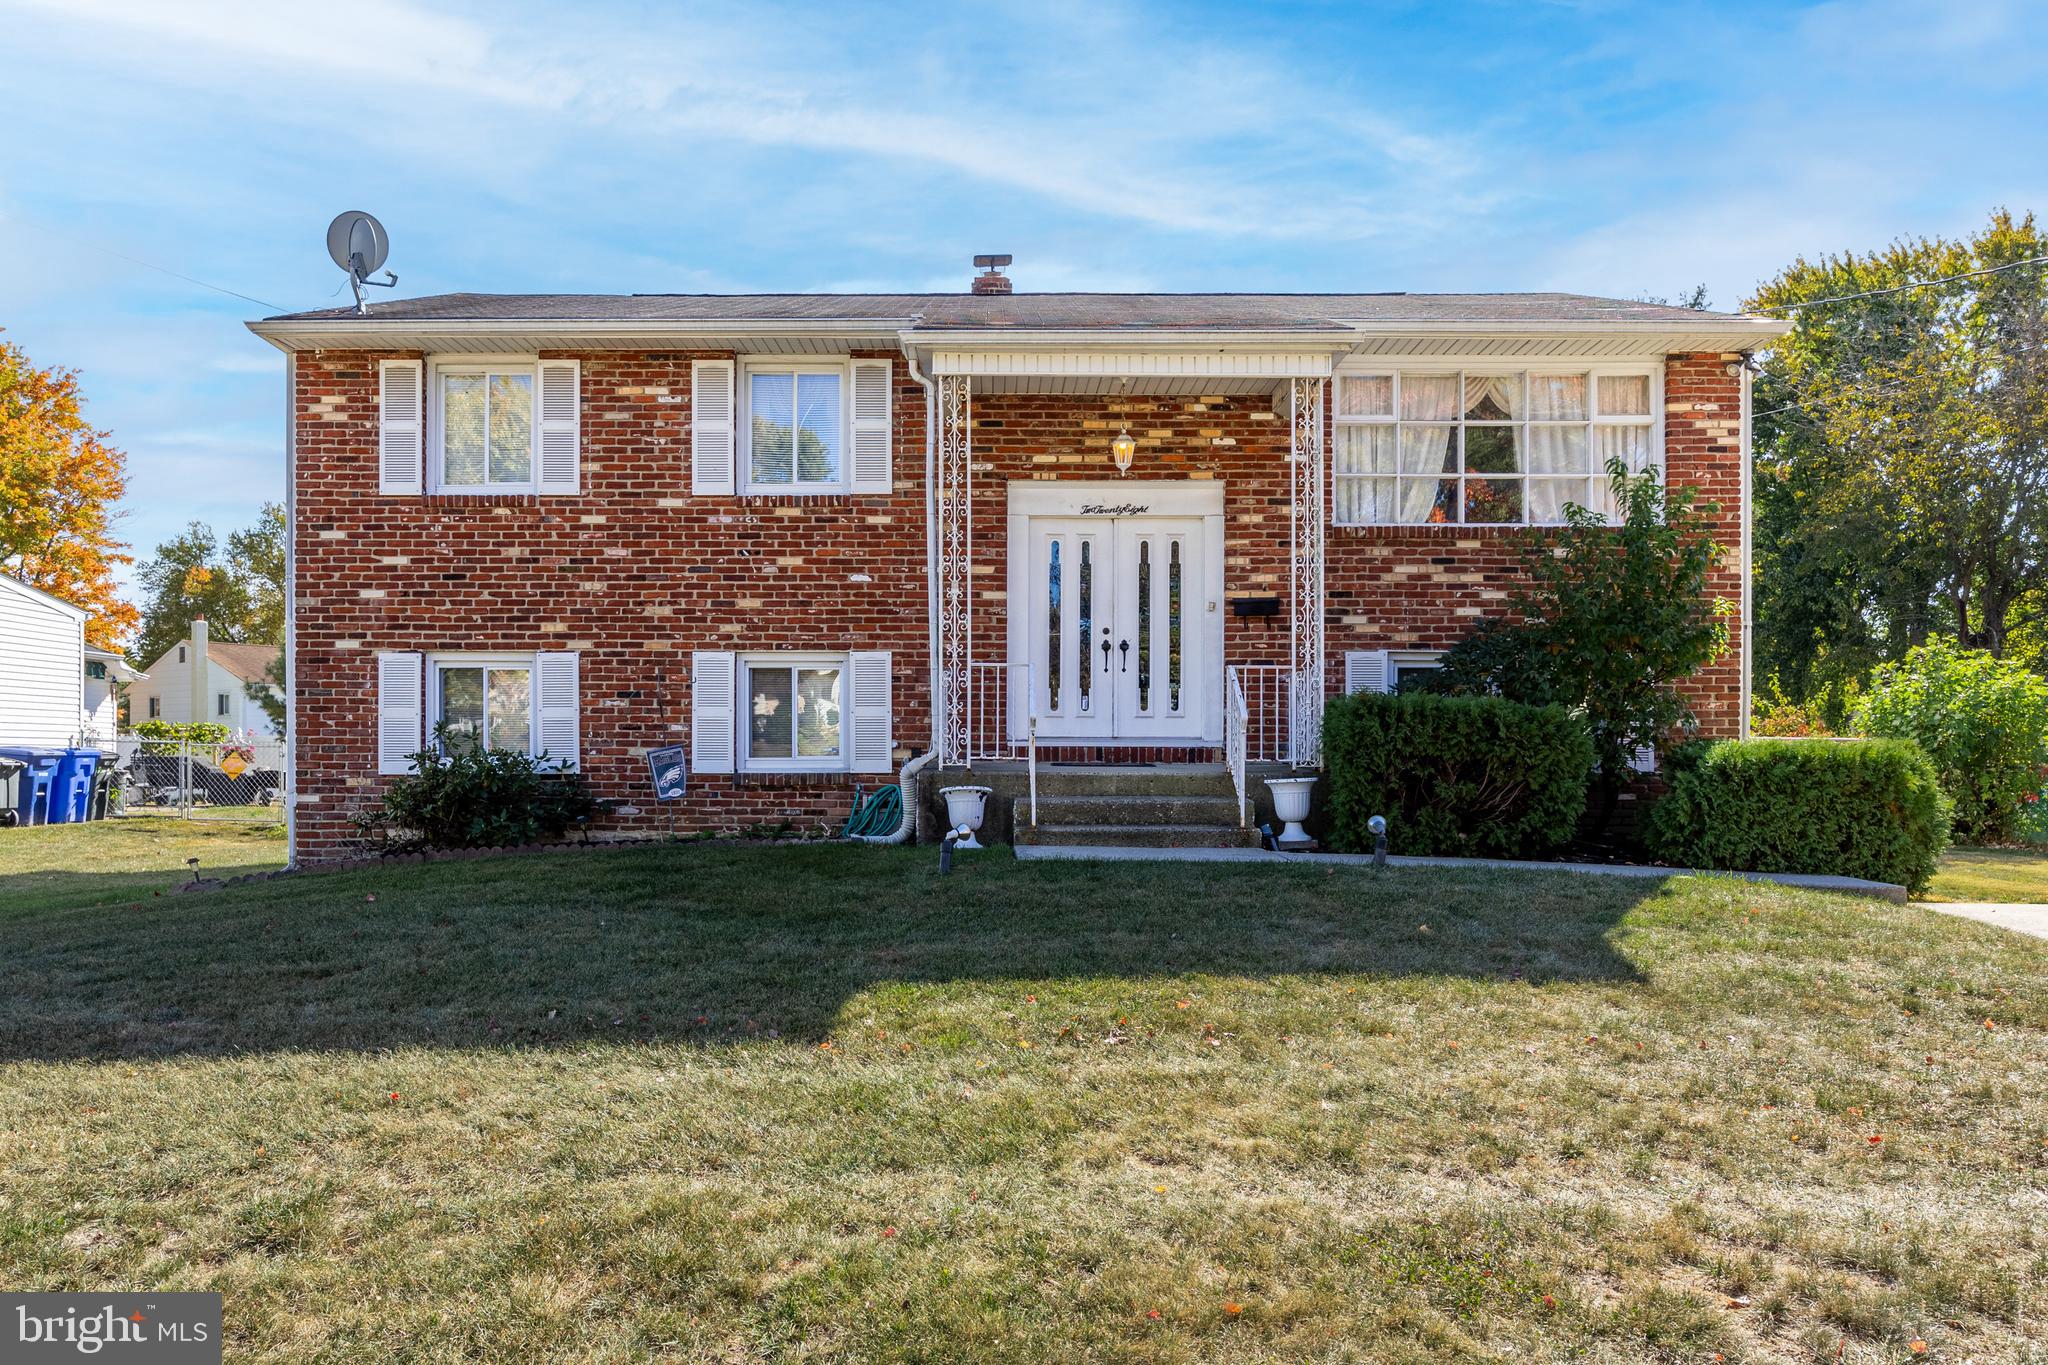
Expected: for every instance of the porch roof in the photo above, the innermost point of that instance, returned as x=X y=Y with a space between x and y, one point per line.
x=1332 y=324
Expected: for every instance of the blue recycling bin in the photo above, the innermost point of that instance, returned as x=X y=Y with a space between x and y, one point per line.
x=71 y=786
x=36 y=789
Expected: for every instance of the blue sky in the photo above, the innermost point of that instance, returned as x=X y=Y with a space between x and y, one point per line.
x=1601 y=148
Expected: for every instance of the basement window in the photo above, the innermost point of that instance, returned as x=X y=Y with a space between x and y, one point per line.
x=794 y=718
x=484 y=703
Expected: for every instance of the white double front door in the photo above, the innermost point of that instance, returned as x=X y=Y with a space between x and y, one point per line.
x=1119 y=617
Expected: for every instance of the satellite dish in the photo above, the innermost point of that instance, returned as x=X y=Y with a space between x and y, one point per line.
x=357 y=243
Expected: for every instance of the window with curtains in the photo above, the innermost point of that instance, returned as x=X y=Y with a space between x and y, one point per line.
x=1488 y=447
x=795 y=428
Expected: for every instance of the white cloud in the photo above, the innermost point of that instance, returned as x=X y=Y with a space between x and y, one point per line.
x=1080 y=126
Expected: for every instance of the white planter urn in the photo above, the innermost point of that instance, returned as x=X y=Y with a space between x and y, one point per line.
x=964 y=807
x=1290 y=803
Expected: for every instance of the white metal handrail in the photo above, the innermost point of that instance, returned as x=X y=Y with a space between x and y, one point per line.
x=998 y=700
x=999 y=720
x=1267 y=708
x=1235 y=716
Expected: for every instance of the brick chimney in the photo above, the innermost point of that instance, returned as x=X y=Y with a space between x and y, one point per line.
x=991 y=280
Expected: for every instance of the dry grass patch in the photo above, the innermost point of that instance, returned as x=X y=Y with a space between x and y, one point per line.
x=818 y=1103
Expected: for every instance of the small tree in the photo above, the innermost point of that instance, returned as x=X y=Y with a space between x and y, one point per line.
x=1613 y=616
x=1983 y=720
x=268 y=692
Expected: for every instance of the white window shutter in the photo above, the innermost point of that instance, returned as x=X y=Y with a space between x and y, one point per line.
x=560 y=437
x=873 y=745
x=1365 y=670
x=400 y=694
x=1644 y=760
x=399 y=428
x=556 y=704
x=711 y=429
x=871 y=436
x=714 y=696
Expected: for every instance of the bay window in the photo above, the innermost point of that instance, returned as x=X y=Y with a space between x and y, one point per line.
x=1484 y=446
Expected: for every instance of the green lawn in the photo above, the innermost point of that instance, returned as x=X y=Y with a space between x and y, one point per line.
x=706 y=1103
x=1992 y=874
x=104 y=862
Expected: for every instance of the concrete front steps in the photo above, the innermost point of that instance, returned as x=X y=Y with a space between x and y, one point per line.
x=1163 y=806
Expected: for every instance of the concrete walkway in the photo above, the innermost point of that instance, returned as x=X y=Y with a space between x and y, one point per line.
x=2021 y=919
x=1854 y=886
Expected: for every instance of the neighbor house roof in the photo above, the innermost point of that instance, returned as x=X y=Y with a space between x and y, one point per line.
x=12 y=584
x=719 y=320
x=246 y=662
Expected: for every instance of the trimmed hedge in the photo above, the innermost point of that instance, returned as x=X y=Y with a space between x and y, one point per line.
x=1465 y=776
x=1869 y=808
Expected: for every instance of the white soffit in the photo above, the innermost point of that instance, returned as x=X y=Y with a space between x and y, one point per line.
x=1113 y=365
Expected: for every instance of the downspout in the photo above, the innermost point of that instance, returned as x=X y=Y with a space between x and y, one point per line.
x=1748 y=571
x=906 y=829
x=291 y=610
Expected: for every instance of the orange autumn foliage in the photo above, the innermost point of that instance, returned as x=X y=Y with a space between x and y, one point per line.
x=59 y=481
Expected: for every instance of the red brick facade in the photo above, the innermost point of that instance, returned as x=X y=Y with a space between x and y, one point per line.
x=636 y=572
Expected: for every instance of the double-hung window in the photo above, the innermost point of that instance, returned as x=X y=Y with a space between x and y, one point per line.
x=484 y=422
x=483 y=703
x=1485 y=446
x=795 y=428
x=794 y=712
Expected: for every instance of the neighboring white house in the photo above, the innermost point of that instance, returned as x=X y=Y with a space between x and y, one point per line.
x=168 y=692
x=55 y=690
x=104 y=669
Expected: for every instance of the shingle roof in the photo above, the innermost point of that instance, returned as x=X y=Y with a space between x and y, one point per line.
x=246 y=662
x=1276 y=312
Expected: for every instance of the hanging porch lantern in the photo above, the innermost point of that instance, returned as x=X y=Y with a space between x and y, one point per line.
x=1124 y=448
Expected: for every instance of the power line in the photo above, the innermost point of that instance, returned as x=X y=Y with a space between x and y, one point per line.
x=147 y=265
x=1902 y=288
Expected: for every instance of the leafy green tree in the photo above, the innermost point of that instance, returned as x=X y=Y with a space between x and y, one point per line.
x=1612 y=618
x=270 y=692
x=1902 y=457
x=1983 y=720
x=239 y=590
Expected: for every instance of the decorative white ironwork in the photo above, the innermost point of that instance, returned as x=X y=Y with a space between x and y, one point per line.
x=1305 y=572
x=955 y=497
x=1234 y=718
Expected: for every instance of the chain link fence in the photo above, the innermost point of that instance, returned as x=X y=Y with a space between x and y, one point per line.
x=231 y=780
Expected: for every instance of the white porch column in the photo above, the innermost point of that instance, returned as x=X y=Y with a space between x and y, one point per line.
x=1305 y=572
x=956 y=548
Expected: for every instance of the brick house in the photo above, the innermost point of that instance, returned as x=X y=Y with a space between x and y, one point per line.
x=817 y=537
